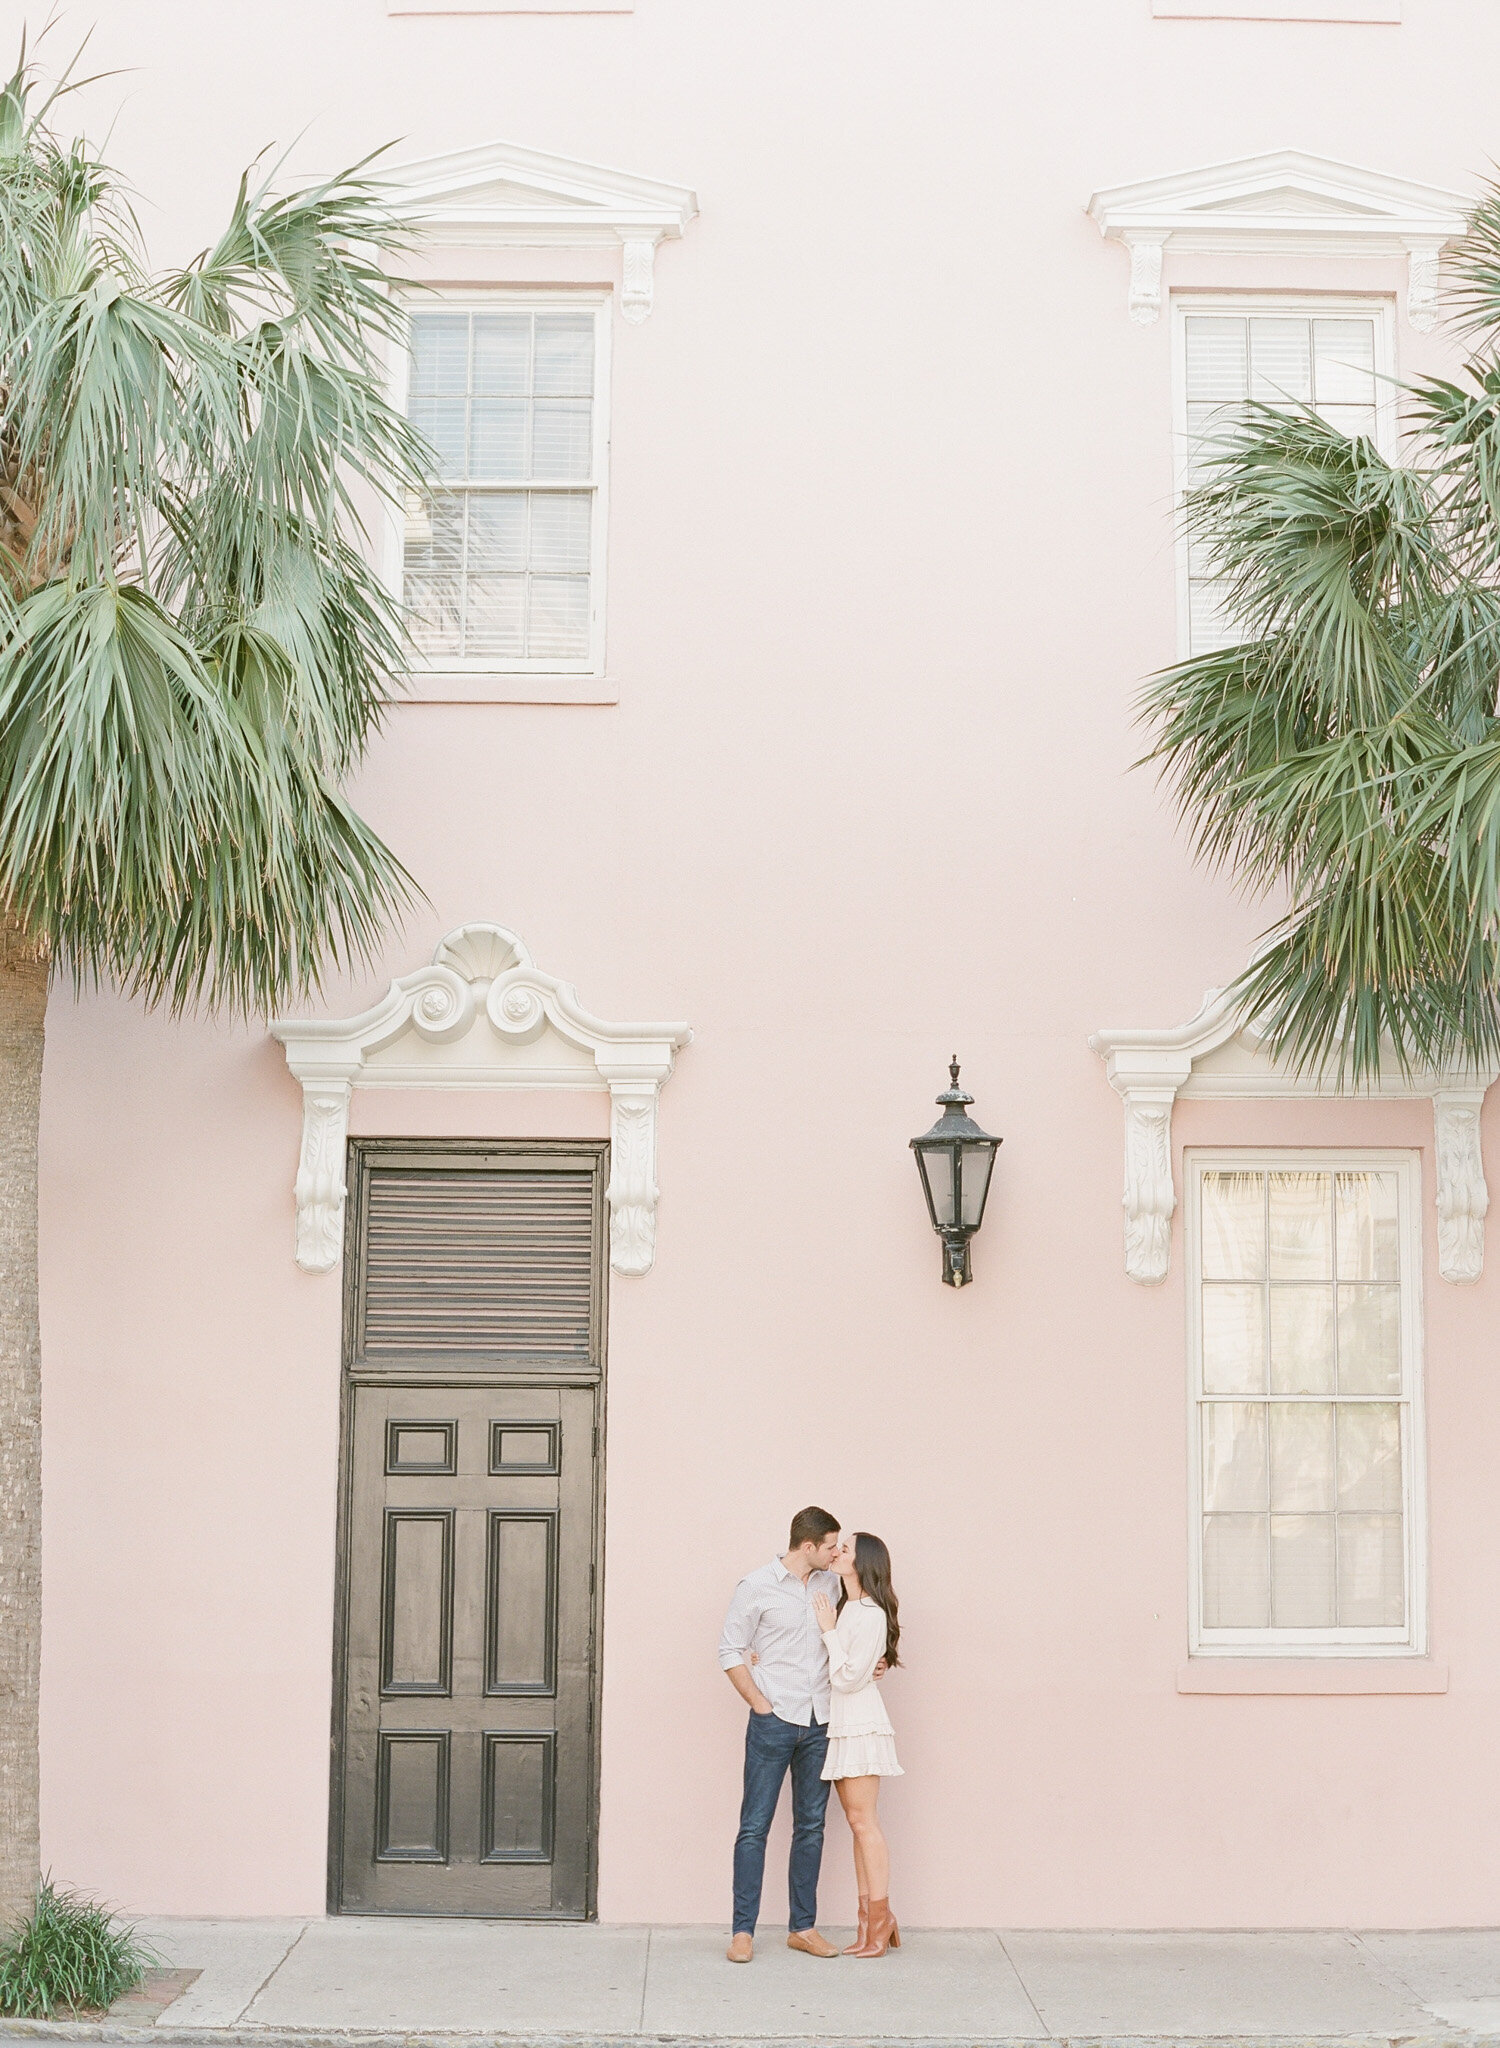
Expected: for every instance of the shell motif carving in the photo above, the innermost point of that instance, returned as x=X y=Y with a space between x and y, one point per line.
x=481 y=952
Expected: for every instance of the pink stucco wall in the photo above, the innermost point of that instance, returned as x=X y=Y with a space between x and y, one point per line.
x=890 y=552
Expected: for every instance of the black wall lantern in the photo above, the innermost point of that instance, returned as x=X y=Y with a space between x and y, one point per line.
x=955 y=1159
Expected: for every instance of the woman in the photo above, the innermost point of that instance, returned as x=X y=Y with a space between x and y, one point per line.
x=861 y=1741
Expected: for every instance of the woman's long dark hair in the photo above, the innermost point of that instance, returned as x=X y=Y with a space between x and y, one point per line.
x=872 y=1566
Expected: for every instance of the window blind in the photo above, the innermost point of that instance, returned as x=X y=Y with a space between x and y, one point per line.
x=497 y=561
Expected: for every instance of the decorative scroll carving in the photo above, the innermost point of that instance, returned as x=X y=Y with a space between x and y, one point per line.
x=632 y=1179
x=483 y=1015
x=639 y=282
x=1463 y=1198
x=1145 y=277
x=1422 y=283
x=1150 y=1198
x=320 y=1176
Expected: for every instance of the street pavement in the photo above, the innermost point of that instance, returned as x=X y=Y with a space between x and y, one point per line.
x=308 y=1981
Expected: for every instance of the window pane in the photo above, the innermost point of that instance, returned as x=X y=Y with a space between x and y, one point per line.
x=1280 y=362
x=1211 y=624
x=1212 y=432
x=1371 y=1585
x=1369 y=1340
x=434 y=563
x=439 y=354
x=497 y=440
x=435 y=605
x=1352 y=420
x=1344 y=353
x=1302 y=1457
x=441 y=422
x=1234 y=1340
x=502 y=355
x=1216 y=357
x=1367 y=1245
x=1369 y=1455
x=497 y=531
x=1234 y=1455
x=1301 y=1220
x=1302 y=1339
x=1236 y=1588
x=1302 y=1571
x=496 y=616
x=558 y=618
x=562 y=439
x=564 y=355
x=560 y=529
x=1234 y=1226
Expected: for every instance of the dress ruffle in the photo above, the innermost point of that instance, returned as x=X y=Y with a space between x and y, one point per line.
x=862 y=1756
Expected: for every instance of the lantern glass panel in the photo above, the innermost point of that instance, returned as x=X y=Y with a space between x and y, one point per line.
x=937 y=1170
x=977 y=1165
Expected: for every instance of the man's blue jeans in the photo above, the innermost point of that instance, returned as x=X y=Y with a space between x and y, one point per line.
x=772 y=1747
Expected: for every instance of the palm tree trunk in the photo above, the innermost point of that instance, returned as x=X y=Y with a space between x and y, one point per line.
x=23 y=1015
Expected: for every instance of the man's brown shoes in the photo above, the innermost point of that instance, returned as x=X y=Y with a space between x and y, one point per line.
x=740 y=1949
x=810 y=1942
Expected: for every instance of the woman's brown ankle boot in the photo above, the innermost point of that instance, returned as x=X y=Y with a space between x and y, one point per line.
x=881 y=1931
x=864 y=1926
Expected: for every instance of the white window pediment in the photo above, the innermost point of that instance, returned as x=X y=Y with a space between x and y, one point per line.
x=503 y=196
x=483 y=1015
x=1283 y=203
x=1219 y=1056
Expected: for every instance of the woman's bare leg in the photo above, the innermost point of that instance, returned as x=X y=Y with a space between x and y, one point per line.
x=872 y=1862
x=861 y=1879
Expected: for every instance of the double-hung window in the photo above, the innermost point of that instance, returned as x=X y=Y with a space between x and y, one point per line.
x=1335 y=358
x=502 y=563
x=1306 y=1404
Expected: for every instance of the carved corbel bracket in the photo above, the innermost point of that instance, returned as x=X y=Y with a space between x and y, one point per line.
x=1150 y=1197
x=1463 y=1197
x=1145 y=276
x=1423 y=254
x=639 y=293
x=320 y=1186
x=632 y=1191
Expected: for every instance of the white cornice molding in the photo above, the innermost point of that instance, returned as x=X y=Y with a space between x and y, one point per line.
x=1283 y=203
x=1218 y=1056
x=483 y=1015
x=503 y=196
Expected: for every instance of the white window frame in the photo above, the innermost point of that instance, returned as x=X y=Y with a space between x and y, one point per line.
x=530 y=299
x=1339 y=306
x=1410 y=1641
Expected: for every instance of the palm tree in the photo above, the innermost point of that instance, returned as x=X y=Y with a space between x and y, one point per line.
x=192 y=654
x=1346 y=754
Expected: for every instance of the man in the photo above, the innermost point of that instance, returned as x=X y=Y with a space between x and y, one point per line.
x=773 y=1652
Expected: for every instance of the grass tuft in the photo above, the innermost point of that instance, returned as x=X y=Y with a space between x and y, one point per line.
x=69 y=1955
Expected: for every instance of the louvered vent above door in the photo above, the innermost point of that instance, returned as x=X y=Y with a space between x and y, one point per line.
x=488 y=1258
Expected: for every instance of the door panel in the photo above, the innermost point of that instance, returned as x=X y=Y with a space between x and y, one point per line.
x=467 y=1753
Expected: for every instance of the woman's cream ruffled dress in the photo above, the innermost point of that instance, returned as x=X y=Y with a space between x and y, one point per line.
x=861 y=1740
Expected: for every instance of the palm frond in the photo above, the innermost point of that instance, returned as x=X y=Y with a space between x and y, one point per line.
x=193 y=646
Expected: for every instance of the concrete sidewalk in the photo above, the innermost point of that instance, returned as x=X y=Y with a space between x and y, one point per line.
x=269 y=1981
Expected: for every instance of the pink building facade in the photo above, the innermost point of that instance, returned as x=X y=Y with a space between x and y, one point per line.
x=814 y=386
